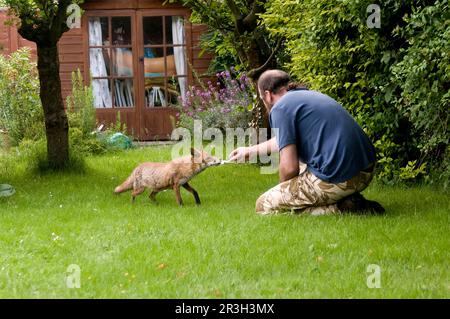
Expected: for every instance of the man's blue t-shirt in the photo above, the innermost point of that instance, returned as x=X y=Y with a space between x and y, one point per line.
x=328 y=139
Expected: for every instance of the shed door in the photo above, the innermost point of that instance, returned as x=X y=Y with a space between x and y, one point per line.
x=112 y=54
x=163 y=71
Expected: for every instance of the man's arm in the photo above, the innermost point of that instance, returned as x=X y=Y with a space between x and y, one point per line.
x=288 y=163
x=243 y=154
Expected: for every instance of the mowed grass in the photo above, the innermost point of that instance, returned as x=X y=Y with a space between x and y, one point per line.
x=221 y=249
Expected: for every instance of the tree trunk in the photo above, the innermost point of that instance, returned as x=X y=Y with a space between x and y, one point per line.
x=56 y=123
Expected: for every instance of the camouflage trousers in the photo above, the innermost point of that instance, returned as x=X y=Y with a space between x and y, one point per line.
x=308 y=194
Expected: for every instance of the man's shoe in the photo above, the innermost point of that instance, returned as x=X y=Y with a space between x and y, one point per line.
x=356 y=203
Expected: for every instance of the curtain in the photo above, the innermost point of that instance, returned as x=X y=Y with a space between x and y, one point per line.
x=102 y=96
x=179 y=52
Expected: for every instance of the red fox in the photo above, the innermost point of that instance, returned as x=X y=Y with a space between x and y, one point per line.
x=161 y=176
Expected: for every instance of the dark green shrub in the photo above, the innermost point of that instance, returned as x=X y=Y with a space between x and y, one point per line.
x=423 y=80
x=379 y=75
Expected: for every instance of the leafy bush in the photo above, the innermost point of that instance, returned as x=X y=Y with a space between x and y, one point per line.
x=80 y=105
x=83 y=135
x=20 y=106
x=423 y=78
x=82 y=118
x=225 y=104
x=393 y=80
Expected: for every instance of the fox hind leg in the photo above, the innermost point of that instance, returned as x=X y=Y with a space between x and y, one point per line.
x=190 y=189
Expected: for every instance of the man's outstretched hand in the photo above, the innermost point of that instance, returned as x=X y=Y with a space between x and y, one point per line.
x=240 y=155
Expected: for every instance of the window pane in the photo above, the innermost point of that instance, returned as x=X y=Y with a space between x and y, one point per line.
x=153 y=32
x=121 y=30
x=123 y=93
x=102 y=93
x=123 y=62
x=175 y=30
x=98 y=31
x=155 y=95
x=168 y=25
x=154 y=62
x=99 y=60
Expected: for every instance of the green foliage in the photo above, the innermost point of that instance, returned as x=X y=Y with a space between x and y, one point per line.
x=80 y=105
x=39 y=13
x=83 y=136
x=20 y=106
x=224 y=53
x=235 y=34
x=423 y=78
x=118 y=126
x=82 y=118
x=393 y=80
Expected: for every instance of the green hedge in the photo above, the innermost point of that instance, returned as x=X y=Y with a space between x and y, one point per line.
x=394 y=80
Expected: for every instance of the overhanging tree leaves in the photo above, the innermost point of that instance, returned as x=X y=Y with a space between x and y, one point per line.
x=238 y=22
x=237 y=25
x=44 y=22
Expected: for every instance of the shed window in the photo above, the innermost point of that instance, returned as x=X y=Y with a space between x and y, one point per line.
x=111 y=51
x=164 y=60
x=111 y=63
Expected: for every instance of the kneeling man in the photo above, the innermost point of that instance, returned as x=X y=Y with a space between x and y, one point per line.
x=326 y=159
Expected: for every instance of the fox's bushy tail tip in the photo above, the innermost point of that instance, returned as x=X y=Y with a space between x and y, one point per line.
x=125 y=186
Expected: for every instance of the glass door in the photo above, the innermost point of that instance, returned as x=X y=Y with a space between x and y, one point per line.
x=163 y=71
x=112 y=66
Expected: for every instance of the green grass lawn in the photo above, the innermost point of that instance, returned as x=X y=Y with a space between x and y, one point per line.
x=221 y=249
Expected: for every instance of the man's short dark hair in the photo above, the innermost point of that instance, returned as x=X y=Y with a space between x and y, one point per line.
x=273 y=81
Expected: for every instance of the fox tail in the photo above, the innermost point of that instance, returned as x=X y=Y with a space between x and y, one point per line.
x=125 y=186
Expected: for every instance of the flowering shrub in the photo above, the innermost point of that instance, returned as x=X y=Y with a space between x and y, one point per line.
x=225 y=104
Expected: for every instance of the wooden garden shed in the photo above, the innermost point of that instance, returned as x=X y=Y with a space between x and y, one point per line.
x=139 y=55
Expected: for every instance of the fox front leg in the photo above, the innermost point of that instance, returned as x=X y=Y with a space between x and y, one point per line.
x=136 y=192
x=190 y=189
x=152 y=196
x=176 y=188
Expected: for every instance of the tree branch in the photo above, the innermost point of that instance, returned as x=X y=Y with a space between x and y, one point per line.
x=234 y=9
x=238 y=17
x=255 y=73
x=250 y=21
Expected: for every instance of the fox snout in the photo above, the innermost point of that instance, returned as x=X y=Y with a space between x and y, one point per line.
x=214 y=162
x=203 y=158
